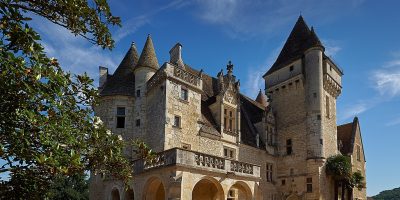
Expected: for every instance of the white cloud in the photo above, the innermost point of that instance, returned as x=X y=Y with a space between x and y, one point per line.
x=331 y=47
x=74 y=53
x=132 y=25
x=387 y=79
x=254 y=78
x=354 y=110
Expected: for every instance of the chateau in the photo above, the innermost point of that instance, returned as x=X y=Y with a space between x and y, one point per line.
x=214 y=143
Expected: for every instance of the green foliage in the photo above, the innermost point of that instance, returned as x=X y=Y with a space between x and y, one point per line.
x=339 y=166
x=393 y=194
x=73 y=187
x=357 y=180
x=47 y=128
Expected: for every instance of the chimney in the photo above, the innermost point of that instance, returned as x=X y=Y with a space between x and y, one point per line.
x=176 y=55
x=103 y=76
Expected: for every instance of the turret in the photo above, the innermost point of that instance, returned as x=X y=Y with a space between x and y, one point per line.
x=146 y=67
x=262 y=99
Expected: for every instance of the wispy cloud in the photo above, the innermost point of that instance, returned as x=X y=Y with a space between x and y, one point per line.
x=332 y=47
x=386 y=82
x=74 y=53
x=355 y=110
x=254 y=80
x=387 y=79
x=393 y=122
x=133 y=24
x=250 y=18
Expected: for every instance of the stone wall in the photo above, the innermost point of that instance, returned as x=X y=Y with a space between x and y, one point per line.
x=359 y=165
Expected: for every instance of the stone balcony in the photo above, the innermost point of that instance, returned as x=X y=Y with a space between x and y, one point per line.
x=196 y=160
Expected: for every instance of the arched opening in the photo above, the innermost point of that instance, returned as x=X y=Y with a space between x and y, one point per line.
x=293 y=197
x=207 y=189
x=239 y=191
x=154 y=190
x=115 y=194
x=129 y=194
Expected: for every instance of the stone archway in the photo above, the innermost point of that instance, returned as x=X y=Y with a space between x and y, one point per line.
x=208 y=189
x=239 y=191
x=293 y=197
x=129 y=195
x=154 y=190
x=115 y=194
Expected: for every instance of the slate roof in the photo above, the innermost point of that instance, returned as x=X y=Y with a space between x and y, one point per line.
x=122 y=82
x=300 y=39
x=148 y=56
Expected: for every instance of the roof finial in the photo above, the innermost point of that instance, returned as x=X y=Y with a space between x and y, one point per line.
x=229 y=67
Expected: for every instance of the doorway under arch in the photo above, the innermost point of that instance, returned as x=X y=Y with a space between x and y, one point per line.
x=239 y=191
x=154 y=190
x=207 y=189
x=115 y=194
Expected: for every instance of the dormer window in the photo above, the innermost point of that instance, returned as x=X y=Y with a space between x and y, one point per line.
x=229 y=119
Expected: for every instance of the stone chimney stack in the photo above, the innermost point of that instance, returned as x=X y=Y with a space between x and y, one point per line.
x=176 y=55
x=103 y=76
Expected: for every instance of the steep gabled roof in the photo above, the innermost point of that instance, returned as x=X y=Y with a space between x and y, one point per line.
x=148 y=56
x=300 y=39
x=346 y=134
x=122 y=82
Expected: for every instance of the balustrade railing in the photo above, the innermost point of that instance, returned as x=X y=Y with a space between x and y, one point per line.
x=197 y=160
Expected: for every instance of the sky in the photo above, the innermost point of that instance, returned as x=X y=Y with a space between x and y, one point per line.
x=361 y=36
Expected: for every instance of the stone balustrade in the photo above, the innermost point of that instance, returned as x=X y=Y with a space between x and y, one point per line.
x=196 y=160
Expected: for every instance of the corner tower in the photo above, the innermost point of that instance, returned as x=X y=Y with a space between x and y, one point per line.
x=303 y=85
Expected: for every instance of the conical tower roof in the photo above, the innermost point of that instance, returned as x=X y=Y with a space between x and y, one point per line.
x=300 y=39
x=122 y=82
x=262 y=99
x=148 y=57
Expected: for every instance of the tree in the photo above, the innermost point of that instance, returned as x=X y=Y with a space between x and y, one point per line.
x=339 y=167
x=47 y=127
x=73 y=187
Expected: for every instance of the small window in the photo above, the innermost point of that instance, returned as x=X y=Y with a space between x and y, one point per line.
x=137 y=93
x=327 y=106
x=177 y=121
x=120 y=117
x=269 y=172
x=184 y=94
x=319 y=117
x=309 y=185
x=315 y=95
x=321 y=141
x=138 y=122
x=289 y=150
x=283 y=182
x=291 y=68
x=229 y=153
x=358 y=153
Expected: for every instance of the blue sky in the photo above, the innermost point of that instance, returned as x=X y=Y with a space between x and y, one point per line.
x=361 y=36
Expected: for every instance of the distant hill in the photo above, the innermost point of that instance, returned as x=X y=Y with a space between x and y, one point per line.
x=393 y=194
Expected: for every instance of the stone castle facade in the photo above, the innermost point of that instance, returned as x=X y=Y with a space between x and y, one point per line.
x=216 y=143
